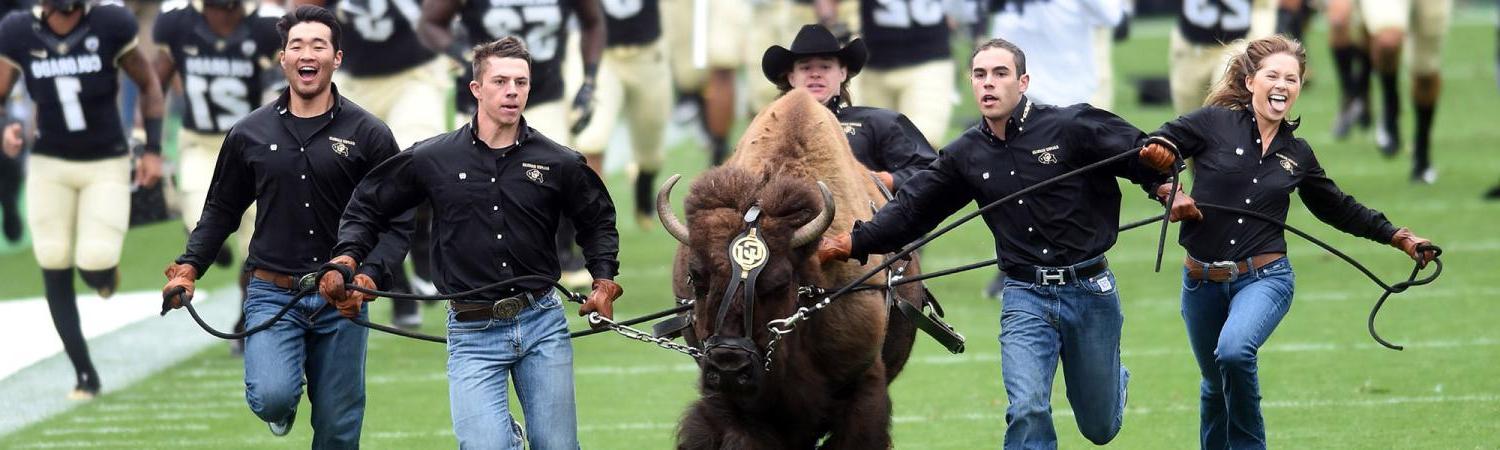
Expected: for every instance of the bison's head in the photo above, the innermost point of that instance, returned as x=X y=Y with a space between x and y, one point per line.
x=750 y=241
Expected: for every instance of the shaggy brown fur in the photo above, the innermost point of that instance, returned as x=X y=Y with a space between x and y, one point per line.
x=829 y=378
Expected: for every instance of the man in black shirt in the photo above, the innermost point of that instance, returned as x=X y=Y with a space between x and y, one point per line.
x=883 y=140
x=1060 y=296
x=78 y=188
x=498 y=190
x=299 y=158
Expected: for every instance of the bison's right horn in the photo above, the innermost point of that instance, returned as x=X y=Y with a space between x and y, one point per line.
x=664 y=211
x=811 y=231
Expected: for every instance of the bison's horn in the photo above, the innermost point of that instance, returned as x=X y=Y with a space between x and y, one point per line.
x=664 y=211
x=811 y=231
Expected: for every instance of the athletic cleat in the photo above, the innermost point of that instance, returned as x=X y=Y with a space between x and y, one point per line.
x=87 y=387
x=1354 y=112
x=408 y=322
x=284 y=426
x=1387 y=141
x=1493 y=193
x=1424 y=176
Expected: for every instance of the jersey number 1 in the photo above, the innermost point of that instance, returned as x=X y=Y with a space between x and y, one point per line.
x=68 y=89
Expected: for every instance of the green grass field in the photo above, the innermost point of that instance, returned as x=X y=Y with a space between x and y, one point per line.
x=1324 y=381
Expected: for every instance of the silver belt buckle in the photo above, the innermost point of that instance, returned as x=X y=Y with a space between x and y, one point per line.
x=309 y=282
x=507 y=308
x=1230 y=266
x=1052 y=276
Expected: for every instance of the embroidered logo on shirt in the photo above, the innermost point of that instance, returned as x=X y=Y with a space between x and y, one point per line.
x=247 y=47
x=849 y=127
x=1045 y=156
x=91 y=43
x=1287 y=163
x=341 y=146
x=190 y=50
x=534 y=172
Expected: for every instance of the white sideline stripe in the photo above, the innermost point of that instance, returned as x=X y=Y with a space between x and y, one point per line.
x=125 y=345
x=27 y=320
x=997 y=415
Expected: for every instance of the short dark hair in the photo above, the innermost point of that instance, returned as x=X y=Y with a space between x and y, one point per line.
x=308 y=13
x=506 y=47
x=1005 y=45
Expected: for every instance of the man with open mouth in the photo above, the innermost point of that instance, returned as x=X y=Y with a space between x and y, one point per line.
x=298 y=159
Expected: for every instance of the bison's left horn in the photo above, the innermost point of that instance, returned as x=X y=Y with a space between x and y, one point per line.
x=664 y=211
x=811 y=231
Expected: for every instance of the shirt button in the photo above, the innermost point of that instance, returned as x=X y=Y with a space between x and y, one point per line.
x=492 y=179
x=303 y=149
x=1240 y=220
x=1231 y=242
x=1028 y=229
x=498 y=236
x=1021 y=201
x=307 y=205
x=304 y=176
x=1012 y=173
x=504 y=265
x=309 y=232
x=315 y=259
x=497 y=207
x=985 y=175
x=1255 y=180
x=1239 y=151
x=1044 y=251
x=1247 y=201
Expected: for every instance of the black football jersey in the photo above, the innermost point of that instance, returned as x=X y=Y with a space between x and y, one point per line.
x=541 y=23
x=222 y=76
x=904 y=32
x=380 y=37
x=1212 y=22
x=73 y=79
x=631 y=22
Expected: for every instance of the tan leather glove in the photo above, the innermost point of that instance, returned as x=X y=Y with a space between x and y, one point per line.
x=1408 y=242
x=1183 y=206
x=1158 y=156
x=602 y=299
x=182 y=276
x=331 y=286
x=835 y=248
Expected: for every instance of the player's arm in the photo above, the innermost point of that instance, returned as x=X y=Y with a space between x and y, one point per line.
x=165 y=69
x=433 y=28
x=12 y=136
x=148 y=171
x=591 y=45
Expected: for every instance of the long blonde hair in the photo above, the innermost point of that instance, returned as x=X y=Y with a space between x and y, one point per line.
x=1231 y=91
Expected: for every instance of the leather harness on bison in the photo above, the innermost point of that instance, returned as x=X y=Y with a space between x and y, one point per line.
x=752 y=226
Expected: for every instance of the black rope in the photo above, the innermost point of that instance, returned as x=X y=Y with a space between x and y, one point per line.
x=181 y=294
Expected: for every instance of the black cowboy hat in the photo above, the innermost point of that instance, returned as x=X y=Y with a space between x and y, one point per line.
x=813 y=40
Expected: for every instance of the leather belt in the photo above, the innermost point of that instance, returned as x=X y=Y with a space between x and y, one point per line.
x=1057 y=275
x=505 y=309
x=279 y=279
x=1227 y=271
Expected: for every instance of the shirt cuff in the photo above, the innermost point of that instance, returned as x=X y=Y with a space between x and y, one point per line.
x=604 y=270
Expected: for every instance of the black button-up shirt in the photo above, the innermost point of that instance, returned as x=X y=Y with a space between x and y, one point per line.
x=1228 y=169
x=300 y=187
x=885 y=140
x=1063 y=224
x=495 y=211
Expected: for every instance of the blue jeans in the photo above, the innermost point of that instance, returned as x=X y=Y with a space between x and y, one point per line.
x=313 y=343
x=1226 y=325
x=533 y=351
x=1078 y=323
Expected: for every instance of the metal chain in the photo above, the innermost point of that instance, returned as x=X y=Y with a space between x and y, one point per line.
x=632 y=333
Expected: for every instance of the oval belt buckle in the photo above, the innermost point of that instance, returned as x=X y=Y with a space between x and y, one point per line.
x=507 y=308
x=308 y=282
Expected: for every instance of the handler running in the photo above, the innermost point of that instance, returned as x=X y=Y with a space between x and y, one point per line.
x=1060 y=296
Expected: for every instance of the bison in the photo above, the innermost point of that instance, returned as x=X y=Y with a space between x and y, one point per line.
x=826 y=382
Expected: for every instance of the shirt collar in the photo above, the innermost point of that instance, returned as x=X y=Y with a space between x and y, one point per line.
x=523 y=133
x=286 y=97
x=835 y=104
x=1013 y=125
x=1283 y=133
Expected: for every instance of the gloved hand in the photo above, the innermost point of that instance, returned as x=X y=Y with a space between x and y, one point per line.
x=182 y=276
x=583 y=107
x=1183 y=206
x=331 y=286
x=602 y=299
x=1158 y=156
x=835 y=248
x=1408 y=242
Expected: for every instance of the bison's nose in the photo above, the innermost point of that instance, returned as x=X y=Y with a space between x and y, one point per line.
x=727 y=370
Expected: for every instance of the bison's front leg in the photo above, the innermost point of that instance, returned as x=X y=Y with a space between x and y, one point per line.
x=864 y=422
x=705 y=427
